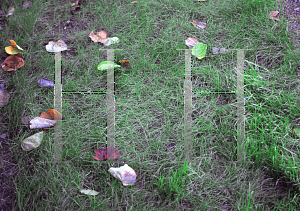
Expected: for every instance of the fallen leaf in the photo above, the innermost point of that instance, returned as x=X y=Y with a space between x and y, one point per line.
x=296 y=132
x=10 y=11
x=58 y=46
x=46 y=119
x=13 y=62
x=125 y=174
x=191 y=42
x=202 y=0
x=32 y=142
x=26 y=4
x=89 y=192
x=101 y=154
x=199 y=50
x=274 y=15
x=112 y=40
x=219 y=50
x=134 y=2
x=100 y=37
x=39 y=122
x=51 y=114
x=199 y=24
x=4 y=96
x=45 y=82
x=124 y=63
x=107 y=64
x=14 y=49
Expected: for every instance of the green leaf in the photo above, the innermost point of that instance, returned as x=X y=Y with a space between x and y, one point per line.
x=107 y=64
x=199 y=50
x=89 y=192
x=296 y=131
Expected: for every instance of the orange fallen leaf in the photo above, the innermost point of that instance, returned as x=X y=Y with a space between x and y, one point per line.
x=100 y=37
x=51 y=114
x=101 y=154
x=14 y=48
x=13 y=62
x=134 y=2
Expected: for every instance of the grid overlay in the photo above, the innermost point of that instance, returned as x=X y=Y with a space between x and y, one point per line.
x=187 y=107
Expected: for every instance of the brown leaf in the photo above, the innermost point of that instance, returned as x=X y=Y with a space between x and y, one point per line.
x=100 y=37
x=13 y=62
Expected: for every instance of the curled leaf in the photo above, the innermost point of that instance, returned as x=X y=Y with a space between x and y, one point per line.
x=125 y=174
x=106 y=65
x=39 y=122
x=14 y=48
x=45 y=82
x=51 y=114
x=58 y=46
x=32 y=142
x=13 y=62
x=191 y=42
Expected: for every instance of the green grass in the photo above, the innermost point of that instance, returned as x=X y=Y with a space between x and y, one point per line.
x=150 y=107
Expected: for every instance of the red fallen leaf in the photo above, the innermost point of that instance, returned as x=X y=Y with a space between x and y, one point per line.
x=124 y=63
x=101 y=154
x=13 y=62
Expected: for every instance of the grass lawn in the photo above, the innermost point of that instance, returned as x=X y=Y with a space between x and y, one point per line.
x=149 y=117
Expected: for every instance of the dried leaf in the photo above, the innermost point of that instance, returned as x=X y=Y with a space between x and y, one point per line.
x=32 y=142
x=191 y=42
x=124 y=63
x=13 y=62
x=14 y=49
x=45 y=82
x=26 y=4
x=39 y=122
x=274 y=15
x=51 y=114
x=10 y=11
x=58 y=46
x=100 y=37
x=199 y=24
x=101 y=154
x=125 y=174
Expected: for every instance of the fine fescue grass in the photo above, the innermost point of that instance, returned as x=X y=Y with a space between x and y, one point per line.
x=150 y=107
